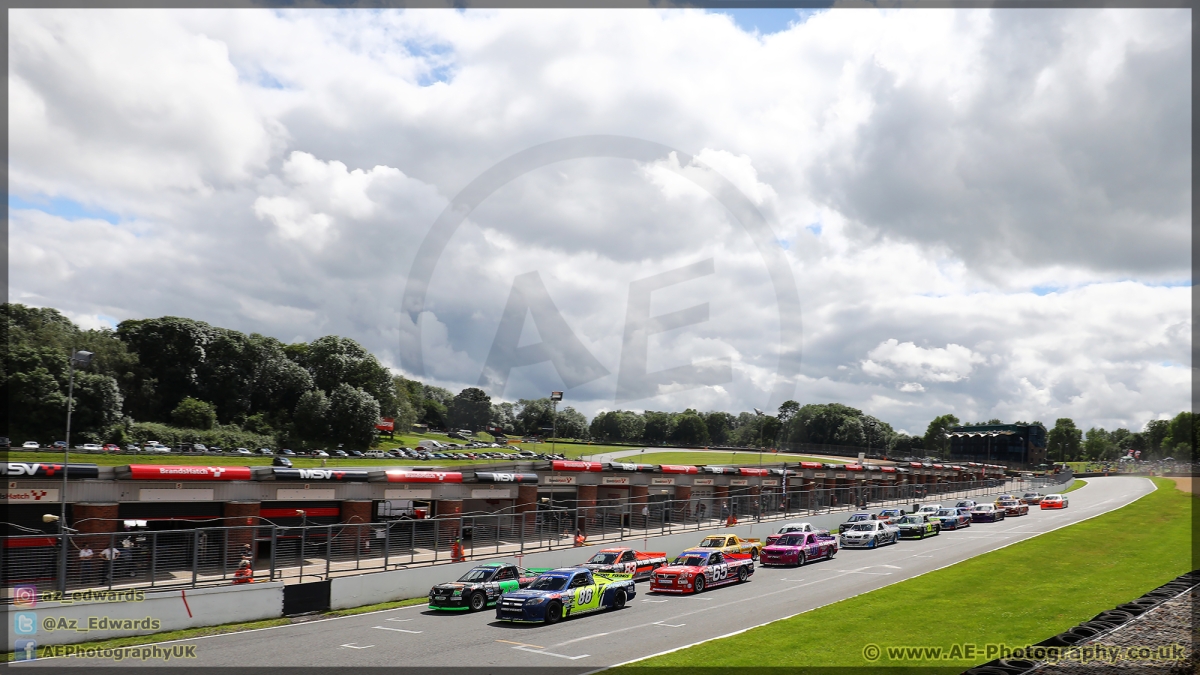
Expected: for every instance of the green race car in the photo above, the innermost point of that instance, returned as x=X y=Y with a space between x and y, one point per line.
x=480 y=587
x=917 y=526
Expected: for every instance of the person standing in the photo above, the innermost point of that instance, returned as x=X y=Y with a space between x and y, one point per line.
x=86 y=560
x=110 y=556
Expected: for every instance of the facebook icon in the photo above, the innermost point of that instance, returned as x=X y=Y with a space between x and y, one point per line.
x=24 y=650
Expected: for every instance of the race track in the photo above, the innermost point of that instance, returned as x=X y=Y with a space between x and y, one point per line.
x=413 y=636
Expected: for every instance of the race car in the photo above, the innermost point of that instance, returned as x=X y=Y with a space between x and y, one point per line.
x=1054 y=502
x=797 y=548
x=697 y=569
x=986 y=513
x=965 y=504
x=626 y=561
x=860 y=517
x=1012 y=507
x=869 y=534
x=565 y=592
x=953 y=519
x=480 y=587
x=891 y=515
x=930 y=510
x=731 y=543
x=1031 y=498
x=917 y=526
x=790 y=528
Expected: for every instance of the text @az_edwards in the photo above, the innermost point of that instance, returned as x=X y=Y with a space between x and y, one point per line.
x=91 y=623
x=1082 y=654
x=143 y=653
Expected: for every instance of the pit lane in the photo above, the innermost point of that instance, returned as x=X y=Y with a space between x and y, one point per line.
x=414 y=636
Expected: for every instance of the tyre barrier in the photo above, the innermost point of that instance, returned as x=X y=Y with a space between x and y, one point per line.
x=1100 y=624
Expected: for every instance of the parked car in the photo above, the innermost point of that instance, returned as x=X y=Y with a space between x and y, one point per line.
x=356 y=453
x=282 y=461
x=30 y=445
x=132 y=449
x=375 y=454
x=244 y=452
x=265 y=451
x=59 y=445
x=287 y=453
x=340 y=453
x=320 y=454
x=89 y=447
x=111 y=447
x=157 y=449
x=215 y=450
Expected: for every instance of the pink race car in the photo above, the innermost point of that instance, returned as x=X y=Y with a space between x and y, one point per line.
x=798 y=548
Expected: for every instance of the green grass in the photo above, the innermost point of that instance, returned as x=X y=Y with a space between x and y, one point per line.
x=702 y=458
x=231 y=627
x=1018 y=595
x=1079 y=482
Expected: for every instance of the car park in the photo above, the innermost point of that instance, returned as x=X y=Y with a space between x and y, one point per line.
x=917 y=526
x=30 y=445
x=856 y=518
x=697 y=569
x=869 y=534
x=1012 y=507
x=563 y=593
x=1053 y=502
x=986 y=513
x=797 y=548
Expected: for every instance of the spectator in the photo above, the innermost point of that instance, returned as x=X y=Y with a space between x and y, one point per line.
x=244 y=574
x=579 y=538
x=110 y=556
x=86 y=561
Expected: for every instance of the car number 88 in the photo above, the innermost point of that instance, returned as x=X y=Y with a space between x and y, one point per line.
x=719 y=572
x=585 y=595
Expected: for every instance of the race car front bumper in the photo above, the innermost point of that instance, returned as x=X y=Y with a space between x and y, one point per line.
x=517 y=610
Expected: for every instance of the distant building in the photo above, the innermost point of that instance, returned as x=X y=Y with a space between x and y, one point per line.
x=1011 y=444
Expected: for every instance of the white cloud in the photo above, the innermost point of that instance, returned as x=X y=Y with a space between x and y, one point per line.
x=275 y=171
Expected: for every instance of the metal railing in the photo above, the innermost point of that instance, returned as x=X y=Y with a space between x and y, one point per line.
x=205 y=556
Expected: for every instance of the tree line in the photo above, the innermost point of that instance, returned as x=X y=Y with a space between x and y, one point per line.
x=176 y=380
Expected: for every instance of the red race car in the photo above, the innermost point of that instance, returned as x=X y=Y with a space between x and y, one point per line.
x=1054 y=502
x=640 y=564
x=1012 y=507
x=697 y=569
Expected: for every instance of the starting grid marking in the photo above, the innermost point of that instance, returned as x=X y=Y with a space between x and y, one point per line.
x=398 y=630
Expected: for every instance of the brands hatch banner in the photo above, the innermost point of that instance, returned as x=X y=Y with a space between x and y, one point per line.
x=168 y=472
x=497 y=477
x=394 y=476
x=30 y=496
x=48 y=470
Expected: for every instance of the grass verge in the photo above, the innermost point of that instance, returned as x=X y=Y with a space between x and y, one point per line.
x=204 y=631
x=1079 y=482
x=1017 y=595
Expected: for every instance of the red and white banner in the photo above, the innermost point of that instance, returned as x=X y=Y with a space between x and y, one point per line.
x=387 y=424
x=676 y=468
x=745 y=471
x=572 y=465
x=169 y=472
x=397 y=476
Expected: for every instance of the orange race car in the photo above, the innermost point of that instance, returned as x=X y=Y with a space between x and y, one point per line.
x=1054 y=502
x=626 y=561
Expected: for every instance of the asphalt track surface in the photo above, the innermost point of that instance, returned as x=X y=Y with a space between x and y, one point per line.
x=650 y=624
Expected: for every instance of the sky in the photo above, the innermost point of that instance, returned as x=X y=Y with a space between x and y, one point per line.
x=912 y=212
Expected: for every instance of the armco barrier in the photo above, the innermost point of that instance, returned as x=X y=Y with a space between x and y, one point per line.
x=172 y=610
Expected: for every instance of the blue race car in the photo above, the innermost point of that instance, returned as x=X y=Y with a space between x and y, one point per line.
x=566 y=592
x=953 y=518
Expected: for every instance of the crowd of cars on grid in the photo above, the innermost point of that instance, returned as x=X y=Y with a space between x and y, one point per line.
x=607 y=579
x=429 y=450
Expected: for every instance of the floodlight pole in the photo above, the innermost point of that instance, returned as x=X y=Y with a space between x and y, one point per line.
x=555 y=397
x=82 y=358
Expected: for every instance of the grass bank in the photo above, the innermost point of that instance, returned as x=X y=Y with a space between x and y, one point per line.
x=1017 y=595
x=1079 y=482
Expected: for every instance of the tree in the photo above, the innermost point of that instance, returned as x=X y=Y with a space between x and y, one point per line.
x=1063 y=443
x=1156 y=431
x=433 y=414
x=353 y=414
x=504 y=417
x=311 y=417
x=194 y=414
x=719 y=425
x=334 y=361
x=689 y=429
x=1098 y=444
x=787 y=411
x=533 y=415
x=658 y=427
x=1180 y=441
x=572 y=424
x=619 y=426
x=471 y=409
x=935 y=433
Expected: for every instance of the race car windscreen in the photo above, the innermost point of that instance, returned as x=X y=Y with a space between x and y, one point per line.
x=713 y=541
x=910 y=520
x=947 y=512
x=549 y=583
x=479 y=574
x=863 y=527
x=792 y=540
x=604 y=558
x=691 y=560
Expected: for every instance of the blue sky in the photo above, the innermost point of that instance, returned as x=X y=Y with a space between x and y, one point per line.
x=64 y=208
x=767 y=21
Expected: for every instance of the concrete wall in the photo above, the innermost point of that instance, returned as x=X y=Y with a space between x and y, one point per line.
x=172 y=610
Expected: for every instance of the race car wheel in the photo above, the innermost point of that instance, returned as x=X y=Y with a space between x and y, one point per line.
x=874 y=542
x=754 y=554
x=699 y=584
x=619 y=600
x=800 y=559
x=477 y=602
x=742 y=574
x=554 y=612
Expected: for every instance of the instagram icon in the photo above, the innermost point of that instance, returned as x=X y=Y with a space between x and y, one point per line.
x=25 y=596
